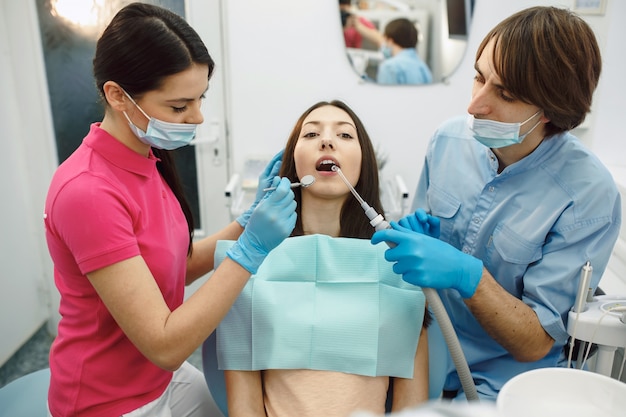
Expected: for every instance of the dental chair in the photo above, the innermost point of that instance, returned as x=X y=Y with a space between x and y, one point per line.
x=26 y=396
x=213 y=375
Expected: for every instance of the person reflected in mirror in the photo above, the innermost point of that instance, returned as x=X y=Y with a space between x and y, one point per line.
x=402 y=63
x=357 y=28
x=522 y=203
x=327 y=134
x=120 y=232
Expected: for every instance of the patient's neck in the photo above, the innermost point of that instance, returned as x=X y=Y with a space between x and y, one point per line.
x=321 y=216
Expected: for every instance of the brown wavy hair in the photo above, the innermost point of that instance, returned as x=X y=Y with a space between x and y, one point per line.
x=548 y=57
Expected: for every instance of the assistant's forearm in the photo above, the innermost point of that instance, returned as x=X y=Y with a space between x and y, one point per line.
x=191 y=323
x=166 y=337
x=371 y=34
x=202 y=258
x=509 y=321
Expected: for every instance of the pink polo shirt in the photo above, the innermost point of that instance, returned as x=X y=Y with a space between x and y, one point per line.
x=107 y=203
x=352 y=37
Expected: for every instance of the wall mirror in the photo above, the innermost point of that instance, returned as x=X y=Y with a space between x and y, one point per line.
x=442 y=27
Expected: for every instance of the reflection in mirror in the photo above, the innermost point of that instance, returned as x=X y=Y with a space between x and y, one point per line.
x=381 y=49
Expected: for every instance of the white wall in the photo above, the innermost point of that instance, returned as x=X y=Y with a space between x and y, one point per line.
x=609 y=102
x=277 y=69
x=28 y=162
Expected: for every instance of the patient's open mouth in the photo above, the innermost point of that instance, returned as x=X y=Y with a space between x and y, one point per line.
x=326 y=165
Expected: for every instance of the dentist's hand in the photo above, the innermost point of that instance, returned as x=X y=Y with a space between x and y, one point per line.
x=270 y=223
x=421 y=222
x=265 y=180
x=429 y=262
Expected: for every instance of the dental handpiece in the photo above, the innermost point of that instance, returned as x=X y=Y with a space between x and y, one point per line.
x=306 y=181
x=433 y=299
x=583 y=287
x=376 y=220
x=579 y=304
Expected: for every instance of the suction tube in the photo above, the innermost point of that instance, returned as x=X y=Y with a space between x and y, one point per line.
x=434 y=301
x=454 y=346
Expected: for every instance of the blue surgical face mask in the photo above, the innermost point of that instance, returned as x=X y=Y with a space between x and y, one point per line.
x=160 y=134
x=494 y=134
x=386 y=51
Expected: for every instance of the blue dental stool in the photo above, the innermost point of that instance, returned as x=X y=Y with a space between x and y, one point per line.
x=26 y=396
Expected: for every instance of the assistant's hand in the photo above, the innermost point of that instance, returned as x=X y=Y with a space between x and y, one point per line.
x=270 y=223
x=422 y=222
x=265 y=179
x=429 y=262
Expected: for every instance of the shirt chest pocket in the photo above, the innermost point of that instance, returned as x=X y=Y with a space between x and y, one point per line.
x=445 y=207
x=508 y=248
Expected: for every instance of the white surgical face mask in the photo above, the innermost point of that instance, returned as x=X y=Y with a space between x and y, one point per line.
x=160 y=134
x=494 y=134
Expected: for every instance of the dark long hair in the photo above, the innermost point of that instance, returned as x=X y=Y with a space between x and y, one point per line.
x=143 y=45
x=353 y=222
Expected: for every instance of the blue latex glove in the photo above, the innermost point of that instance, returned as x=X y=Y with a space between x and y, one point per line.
x=421 y=222
x=265 y=180
x=270 y=223
x=428 y=262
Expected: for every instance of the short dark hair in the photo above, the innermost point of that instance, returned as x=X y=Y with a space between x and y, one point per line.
x=548 y=57
x=403 y=32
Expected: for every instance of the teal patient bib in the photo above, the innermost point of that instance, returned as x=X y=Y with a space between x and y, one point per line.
x=323 y=303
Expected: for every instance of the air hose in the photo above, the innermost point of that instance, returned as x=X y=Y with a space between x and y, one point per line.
x=434 y=301
x=462 y=369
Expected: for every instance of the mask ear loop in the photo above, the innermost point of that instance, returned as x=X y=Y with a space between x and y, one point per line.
x=532 y=128
x=130 y=121
x=136 y=105
x=139 y=132
x=527 y=120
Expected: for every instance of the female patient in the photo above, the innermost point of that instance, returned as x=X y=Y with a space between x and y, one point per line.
x=333 y=335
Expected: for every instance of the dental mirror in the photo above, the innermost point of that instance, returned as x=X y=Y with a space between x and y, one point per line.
x=305 y=181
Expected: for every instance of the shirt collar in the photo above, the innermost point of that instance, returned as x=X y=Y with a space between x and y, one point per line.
x=407 y=51
x=545 y=150
x=119 y=154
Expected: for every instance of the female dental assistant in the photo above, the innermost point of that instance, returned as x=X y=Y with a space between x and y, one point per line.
x=119 y=231
x=522 y=204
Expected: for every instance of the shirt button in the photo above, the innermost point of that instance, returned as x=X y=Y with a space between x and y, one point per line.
x=476 y=220
x=492 y=189
x=466 y=249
